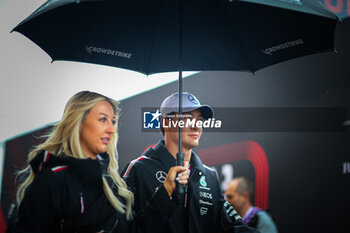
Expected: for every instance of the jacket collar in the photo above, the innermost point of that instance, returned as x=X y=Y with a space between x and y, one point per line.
x=159 y=152
x=196 y=162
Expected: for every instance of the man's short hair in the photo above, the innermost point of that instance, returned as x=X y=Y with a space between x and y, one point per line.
x=170 y=115
x=244 y=185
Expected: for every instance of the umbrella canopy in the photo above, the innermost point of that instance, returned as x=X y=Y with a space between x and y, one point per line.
x=194 y=35
x=242 y=35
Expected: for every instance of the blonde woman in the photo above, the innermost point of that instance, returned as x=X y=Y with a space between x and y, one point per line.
x=71 y=183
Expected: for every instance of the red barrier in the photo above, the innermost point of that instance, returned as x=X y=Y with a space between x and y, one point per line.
x=2 y=222
x=337 y=6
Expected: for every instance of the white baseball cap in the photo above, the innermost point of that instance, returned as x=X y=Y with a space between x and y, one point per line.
x=189 y=103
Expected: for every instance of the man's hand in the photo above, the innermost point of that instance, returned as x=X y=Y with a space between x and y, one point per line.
x=177 y=173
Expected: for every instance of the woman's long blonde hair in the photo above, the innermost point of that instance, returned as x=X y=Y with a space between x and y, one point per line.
x=65 y=139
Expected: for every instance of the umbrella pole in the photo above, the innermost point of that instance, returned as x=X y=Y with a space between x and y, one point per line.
x=180 y=113
x=180 y=189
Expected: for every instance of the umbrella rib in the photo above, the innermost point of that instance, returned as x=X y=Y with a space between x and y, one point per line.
x=245 y=55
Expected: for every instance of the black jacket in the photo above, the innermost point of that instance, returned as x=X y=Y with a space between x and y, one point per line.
x=206 y=210
x=67 y=195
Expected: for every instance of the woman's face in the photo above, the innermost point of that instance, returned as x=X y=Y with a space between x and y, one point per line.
x=97 y=129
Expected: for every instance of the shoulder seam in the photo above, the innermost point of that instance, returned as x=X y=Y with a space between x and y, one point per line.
x=208 y=167
x=132 y=163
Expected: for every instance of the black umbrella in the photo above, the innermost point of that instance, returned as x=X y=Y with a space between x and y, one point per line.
x=194 y=35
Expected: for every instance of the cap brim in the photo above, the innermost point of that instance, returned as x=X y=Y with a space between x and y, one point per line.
x=206 y=110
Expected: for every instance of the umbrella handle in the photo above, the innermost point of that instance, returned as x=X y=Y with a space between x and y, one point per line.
x=180 y=188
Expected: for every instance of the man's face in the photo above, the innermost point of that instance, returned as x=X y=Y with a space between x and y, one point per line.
x=234 y=198
x=190 y=133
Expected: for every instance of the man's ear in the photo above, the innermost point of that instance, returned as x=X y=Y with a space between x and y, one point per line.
x=164 y=120
x=246 y=195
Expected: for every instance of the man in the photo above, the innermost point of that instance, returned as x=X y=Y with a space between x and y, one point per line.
x=238 y=194
x=152 y=178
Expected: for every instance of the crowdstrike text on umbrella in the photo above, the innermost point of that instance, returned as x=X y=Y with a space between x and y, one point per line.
x=286 y=45
x=91 y=49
